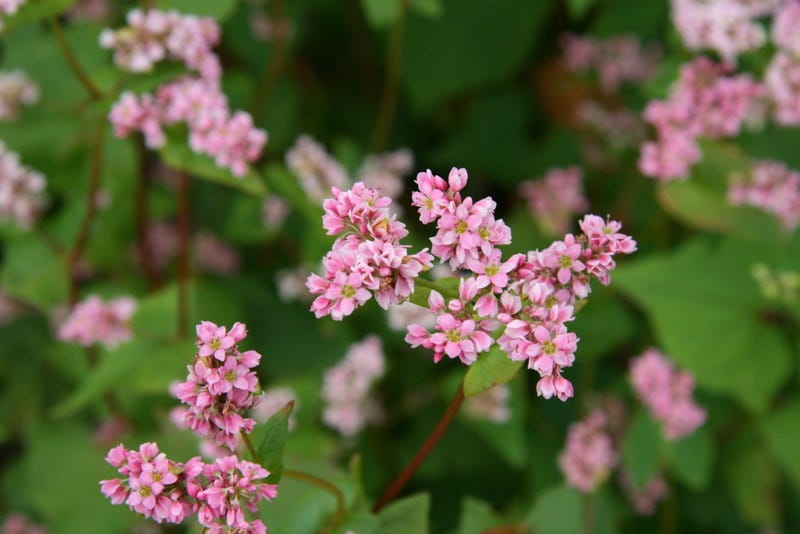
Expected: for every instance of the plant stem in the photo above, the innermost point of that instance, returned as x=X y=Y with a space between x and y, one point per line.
x=383 y=123
x=250 y=448
x=277 y=59
x=69 y=55
x=75 y=253
x=308 y=478
x=143 y=216
x=183 y=255
x=402 y=479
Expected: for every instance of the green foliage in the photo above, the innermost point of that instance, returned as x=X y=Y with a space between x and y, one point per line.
x=35 y=10
x=407 y=515
x=558 y=510
x=693 y=459
x=491 y=369
x=33 y=273
x=783 y=436
x=640 y=449
x=218 y=9
x=271 y=440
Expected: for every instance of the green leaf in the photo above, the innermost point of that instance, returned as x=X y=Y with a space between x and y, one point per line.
x=693 y=459
x=578 y=8
x=491 y=369
x=34 y=10
x=707 y=313
x=640 y=448
x=381 y=13
x=218 y=9
x=180 y=157
x=427 y=8
x=272 y=442
x=406 y=516
x=750 y=476
x=434 y=69
x=507 y=438
x=476 y=517
x=782 y=430
x=557 y=511
x=33 y=273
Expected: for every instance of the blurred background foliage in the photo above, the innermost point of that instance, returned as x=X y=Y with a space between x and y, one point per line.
x=472 y=83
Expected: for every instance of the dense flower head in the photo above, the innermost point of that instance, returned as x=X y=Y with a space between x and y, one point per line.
x=152 y=36
x=771 y=187
x=368 y=260
x=644 y=499
x=94 y=320
x=490 y=405
x=706 y=101
x=316 y=169
x=617 y=59
x=221 y=385
x=19 y=524
x=22 y=196
x=529 y=298
x=228 y=137
x=589 y=454
x=782 y=80
x=16 y=90
x=168 y=491
x=555 y=199
x=349 y=406
x=729 y=27
x=785 y=25
x=667 y=392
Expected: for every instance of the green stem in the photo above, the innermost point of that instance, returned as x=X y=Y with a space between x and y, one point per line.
x=250 y=448
x=383 y=123
x=308 y=478
x=436 y=434
x=69 y=55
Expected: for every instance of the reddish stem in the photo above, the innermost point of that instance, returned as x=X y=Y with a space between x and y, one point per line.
x=402 y=479
x=183 y=255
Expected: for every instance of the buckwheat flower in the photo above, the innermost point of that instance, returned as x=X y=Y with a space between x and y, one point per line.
x=645 y=499
x=212 y=254
x=782 y=79
x=19 y=524
x=315 y=168
x=589 y=454
x=22 y=196
x=346 y=388
x=490 y=405
x=667 y=392
x=784 y=27
x=431 y=197
x=232 y=485
x=555 y=199
x=274 y=212
x=16 y=90
x=272 y=401
x=96 y=321
x=385 y=172
x=771 y=187
x=291 y=283
x=220 y=387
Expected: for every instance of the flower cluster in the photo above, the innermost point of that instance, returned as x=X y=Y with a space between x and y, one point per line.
x=782 y=77
x=555 y=199
x=9 y=7
x=16 y=90
x=617 y=60
x=152 y=36
x=490 y=405
x=21 y=190
x=644 y=499
x=368 y=260
x=19 y=524
x=384 y=172
x=346 y=388
x=95 y=321
x=667 y=392
x=772 y=187
x=729 y=27
x=589 y=454
x=530 y=298
x=316 y=169
x=705 y=102
x=169 y=491
x=230 y=138
x=221 y=385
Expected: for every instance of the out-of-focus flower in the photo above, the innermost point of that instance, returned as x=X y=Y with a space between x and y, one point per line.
x=21 y=190
x=644 y=499
x=272 y=401
x=554 y=200
x=316 y=169
x=16 y=90
x=212 y=254
x=769 y=186
x=96 y=321
x=491 y=405
x=589 y=455
x=19 y=524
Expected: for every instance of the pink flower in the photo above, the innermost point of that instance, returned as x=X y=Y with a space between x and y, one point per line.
x=771 y=187
x=555 y=199
x=22 y=196
x=589 y=454
x=430 y=197
x=95 y=321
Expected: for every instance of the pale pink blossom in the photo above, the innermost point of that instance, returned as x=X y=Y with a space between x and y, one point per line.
x=555 y=199
x=19 y=524
x=646 y=498
x=22 y=197
x=272 y=401
x=315 y=168
x=490 y=405
x=784 y=27
x=589 y=454
x=667 y=392
x=782 y=79
x=385 y=172
x=16 y=90
x=213 y=255
x=771 y=187
x=94 y=321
